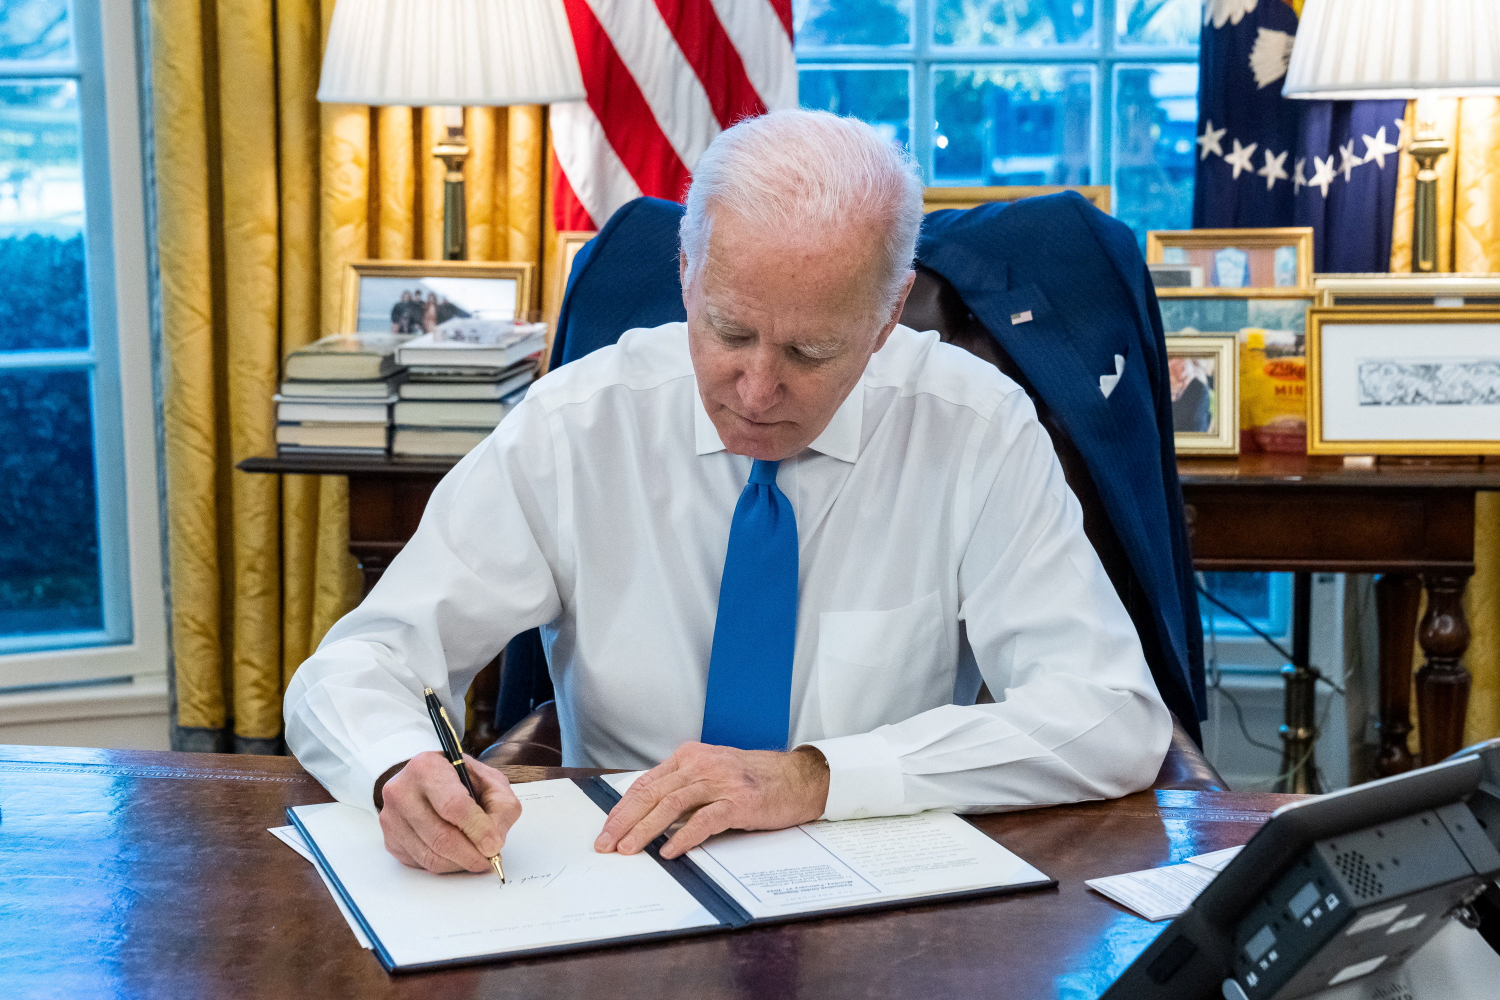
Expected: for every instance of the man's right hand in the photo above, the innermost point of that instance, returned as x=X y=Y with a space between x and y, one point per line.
x=431 y=822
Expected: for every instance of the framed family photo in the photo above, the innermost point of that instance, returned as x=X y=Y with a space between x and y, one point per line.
x=1204 y=374
x=1408 y=381
x=413 y=296
x=1238 y=258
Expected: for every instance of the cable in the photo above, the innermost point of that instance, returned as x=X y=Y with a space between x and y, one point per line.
x=1317 y=674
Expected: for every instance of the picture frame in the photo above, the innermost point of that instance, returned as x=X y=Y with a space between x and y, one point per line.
x=934 y=198
x=1446 y=291
x=1403 y=381
x=1205 y=382
x=1187 y=311
x=565 y=247
x=372 y=288
x=1239 y=258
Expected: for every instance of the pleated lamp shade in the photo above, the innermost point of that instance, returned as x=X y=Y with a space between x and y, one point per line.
x=1385 y=49
x=449 y=52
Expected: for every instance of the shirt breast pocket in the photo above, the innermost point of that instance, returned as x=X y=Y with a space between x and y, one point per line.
x=880 y=667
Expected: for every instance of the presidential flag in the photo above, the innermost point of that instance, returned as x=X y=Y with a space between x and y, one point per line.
x=1264 y=160
x=662 y=78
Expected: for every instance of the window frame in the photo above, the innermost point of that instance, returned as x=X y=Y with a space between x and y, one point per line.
x=119 y=358
x=922 y=55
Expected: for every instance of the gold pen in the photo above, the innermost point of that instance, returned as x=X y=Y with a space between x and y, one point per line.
x=448 y=737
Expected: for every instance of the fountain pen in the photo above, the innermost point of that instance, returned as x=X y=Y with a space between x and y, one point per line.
x=448 y=737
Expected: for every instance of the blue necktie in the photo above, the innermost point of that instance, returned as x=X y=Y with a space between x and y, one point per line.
x=750 y=668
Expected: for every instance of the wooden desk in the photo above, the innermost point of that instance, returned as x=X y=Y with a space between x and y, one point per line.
x=1412 y=523
x=151 y=875
x=1269 y=513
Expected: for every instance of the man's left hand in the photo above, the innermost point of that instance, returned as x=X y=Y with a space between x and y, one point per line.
x=719 y=788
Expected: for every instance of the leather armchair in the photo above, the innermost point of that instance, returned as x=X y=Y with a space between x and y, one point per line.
x=537 y=741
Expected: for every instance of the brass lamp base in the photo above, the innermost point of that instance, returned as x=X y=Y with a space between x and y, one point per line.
x=453 y=150
x=1426 y=149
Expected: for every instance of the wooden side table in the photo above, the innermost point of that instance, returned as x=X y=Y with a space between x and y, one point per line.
x=1413 y=524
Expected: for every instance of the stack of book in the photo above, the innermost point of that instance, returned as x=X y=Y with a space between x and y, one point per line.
x=337 y=394
x=463 y=378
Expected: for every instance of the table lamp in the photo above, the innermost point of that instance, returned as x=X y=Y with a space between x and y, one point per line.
x=452 y=54
x=1356 y=50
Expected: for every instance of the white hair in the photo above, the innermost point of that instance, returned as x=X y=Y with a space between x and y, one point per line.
x=807 y=171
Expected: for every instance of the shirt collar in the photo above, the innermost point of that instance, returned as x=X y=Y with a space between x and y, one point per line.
x=840 y=439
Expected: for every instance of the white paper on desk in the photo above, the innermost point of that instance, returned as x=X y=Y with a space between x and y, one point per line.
x=821 y=866
x=559 y=890
x=289 y=836
x=1217 y=860
x=621 y=782
x=1156 y=893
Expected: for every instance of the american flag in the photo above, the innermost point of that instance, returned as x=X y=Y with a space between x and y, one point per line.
x=663 y=77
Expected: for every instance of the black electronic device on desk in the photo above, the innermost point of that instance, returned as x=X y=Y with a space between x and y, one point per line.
x=1334 y=888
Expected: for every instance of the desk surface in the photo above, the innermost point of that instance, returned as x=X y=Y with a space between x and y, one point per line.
x=151 y=875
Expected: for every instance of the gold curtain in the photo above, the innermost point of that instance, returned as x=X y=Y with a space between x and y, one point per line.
x=263 y=197
x=1468 y=241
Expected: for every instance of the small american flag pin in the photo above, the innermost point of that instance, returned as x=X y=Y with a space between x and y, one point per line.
x=1020 y=317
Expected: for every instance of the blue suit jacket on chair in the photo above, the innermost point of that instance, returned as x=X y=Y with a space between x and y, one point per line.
x=1063 y=288
x=1079 y=275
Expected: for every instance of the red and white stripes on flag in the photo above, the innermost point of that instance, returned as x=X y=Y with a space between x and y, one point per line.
x=663 y=77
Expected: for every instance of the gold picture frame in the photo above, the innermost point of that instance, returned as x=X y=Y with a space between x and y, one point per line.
x=1445 y=291
x=1209 y=392
x=1399 y=381
x=1200 y=247
x=934 y=198
x=565 y=247
x=359 y=271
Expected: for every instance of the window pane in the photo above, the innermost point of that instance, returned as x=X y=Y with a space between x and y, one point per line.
x=1012 y=125
x=1156 y=122
x=881 y=97
x=35 y=29
x=1014 y=23
x=1264 y=598
x=49 y=531
x=851 y=22
x=42 y=301
x=1158 y=22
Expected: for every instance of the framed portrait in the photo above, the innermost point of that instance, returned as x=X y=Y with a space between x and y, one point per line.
x=413 y=296
x=1408 y=381
x=1440 y=291
x=1205 y=379
x=1238 y=258
x=934 y=198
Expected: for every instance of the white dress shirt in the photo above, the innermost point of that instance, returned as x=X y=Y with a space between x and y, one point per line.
x=939 y=545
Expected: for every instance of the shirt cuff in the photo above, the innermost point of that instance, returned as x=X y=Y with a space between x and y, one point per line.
x=368 y=766
x=864 y=777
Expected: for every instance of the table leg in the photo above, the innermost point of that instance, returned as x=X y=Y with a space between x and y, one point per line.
x=1443 y=683
x=1397 y=597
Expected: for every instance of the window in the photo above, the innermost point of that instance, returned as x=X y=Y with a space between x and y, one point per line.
x=1020 y=91
x=77 y=489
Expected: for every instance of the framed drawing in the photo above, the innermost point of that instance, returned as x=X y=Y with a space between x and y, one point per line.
x=1404 y=381
x=413 y=296
x=934 y=198
x=1444 y=291
x=1238 y=258
x=1205 y=381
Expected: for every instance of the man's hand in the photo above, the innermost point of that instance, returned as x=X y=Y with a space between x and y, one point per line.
x=430 y=821
x=722 y=788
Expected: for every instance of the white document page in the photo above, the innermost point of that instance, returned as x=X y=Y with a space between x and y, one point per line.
x=559 y=891
x=289 y=836
x=1156 y=893
x=828 y=865
x=1217 y=860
